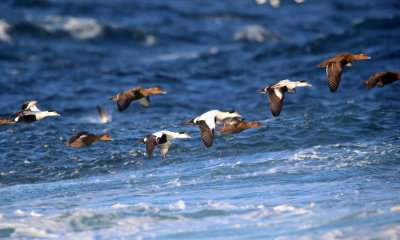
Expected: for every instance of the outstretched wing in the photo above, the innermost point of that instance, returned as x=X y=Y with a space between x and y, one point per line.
x=126 y=98
x=207 y=135
x=30 y=105
x=144 y=101
x=151 y=143
x=123 y=103
x=276 y=97
x=334 y=72
x=163 y=144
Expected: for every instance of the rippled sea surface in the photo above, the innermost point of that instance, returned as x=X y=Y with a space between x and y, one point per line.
x=327 y=168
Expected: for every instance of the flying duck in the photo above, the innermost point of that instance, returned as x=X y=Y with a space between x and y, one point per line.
x=334 y=67
x=382 y=79
x=207 y=121
x=276 y=93
x=103 y=115
x=141 y=95
x=162 y=139
x=236 y=125
x=29 y=113
x=82 y=139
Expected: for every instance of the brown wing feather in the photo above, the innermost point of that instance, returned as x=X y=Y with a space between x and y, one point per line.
x=334 y=72
x=151 y=143
x=275 y=103
x=76 y=136
x=207 y=135
x=127 y=97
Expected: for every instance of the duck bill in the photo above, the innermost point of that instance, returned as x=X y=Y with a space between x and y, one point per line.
x=113 y=98
x=141 y=142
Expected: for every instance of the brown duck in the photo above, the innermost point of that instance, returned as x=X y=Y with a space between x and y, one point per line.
x=82 y=139
x=382 y=79
x=235 y=125
x=334 y=67
x=141 y=95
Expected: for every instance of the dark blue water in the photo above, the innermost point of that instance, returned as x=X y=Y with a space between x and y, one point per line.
x=327 y=168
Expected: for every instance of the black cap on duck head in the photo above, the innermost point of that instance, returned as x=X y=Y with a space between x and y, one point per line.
x=233 y=111
x=182 y=132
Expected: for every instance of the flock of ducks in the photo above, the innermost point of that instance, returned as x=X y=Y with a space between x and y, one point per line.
x=231 y=121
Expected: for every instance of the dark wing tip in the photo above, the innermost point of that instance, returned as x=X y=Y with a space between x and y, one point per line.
x=275 y=103
x=206 y=134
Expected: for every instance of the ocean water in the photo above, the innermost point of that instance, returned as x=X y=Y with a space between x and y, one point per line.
x=327 y=168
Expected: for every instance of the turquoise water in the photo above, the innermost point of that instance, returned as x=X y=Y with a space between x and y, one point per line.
x=326 y=168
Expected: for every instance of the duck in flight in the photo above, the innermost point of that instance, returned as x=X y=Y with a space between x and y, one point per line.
x=207 y=122
x=162 y=139
x=29 y=113
x=236 y=125
x=141 y=95
x=276 y=93
x=104 y=116
x=82 y=139
x=334 y=67
x=382 y=79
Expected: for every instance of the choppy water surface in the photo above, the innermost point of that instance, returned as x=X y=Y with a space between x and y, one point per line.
x=327 y=168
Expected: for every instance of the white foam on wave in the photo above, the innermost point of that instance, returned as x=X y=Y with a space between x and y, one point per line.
x=31 y=232
x=290 y=208
x=226 y=206
x=35 y=214
x=255 y=33
x=4 y=27
x=179 y=205
x=119 y=205
x=395 y=209
x=175 y=183
x=79 y=28
x=19 y=212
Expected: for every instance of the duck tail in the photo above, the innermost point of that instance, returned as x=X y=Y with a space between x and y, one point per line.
x=191 y=121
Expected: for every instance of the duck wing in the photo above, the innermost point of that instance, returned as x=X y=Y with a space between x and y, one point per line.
x=126 y=98
x=163 y=144
x=207 y=135
x=151 y=142
x=15 y=114
x=276 y=97
x=231 y=121
x=74 y=137
x=30 y=105
x=144 y=102
x=334 y=71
